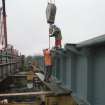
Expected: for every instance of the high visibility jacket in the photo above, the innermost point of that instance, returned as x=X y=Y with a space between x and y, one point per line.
x=47 y=58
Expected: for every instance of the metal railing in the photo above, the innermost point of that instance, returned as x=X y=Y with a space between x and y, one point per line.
x=9 y=64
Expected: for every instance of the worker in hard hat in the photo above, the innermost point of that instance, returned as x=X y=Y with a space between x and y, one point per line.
x=54 y=31
x=48 y=64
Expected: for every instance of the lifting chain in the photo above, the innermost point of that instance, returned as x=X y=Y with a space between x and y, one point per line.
x=51 y=1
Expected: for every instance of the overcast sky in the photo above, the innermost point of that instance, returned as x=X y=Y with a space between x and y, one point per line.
x=79 y=20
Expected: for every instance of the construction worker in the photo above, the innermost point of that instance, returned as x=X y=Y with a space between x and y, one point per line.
x=35 y=66
x=29 y=66
x=54 y=31
x=48 y=64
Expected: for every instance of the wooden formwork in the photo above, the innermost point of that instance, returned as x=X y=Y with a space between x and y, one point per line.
x=60 y=100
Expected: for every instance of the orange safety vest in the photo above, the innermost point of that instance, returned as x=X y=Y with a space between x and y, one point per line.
x=47 y=58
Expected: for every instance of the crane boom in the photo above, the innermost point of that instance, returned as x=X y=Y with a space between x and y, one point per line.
x=4 y=23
